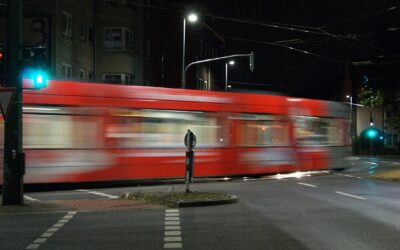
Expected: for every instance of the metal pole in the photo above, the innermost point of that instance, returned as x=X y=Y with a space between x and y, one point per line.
x=14 y=165
x=183 y=54
x=226 y=76
x=351 y=120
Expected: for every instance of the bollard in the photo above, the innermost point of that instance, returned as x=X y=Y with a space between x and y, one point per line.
x=190 y=143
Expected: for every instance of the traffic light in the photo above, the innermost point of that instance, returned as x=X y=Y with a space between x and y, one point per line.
x=37 y=76
x=35 y=64
x=2 y=64
x=39 y=79
x=372 y=133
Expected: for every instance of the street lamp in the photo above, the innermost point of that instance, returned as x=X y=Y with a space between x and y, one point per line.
x=192 y=18
x=231 y=62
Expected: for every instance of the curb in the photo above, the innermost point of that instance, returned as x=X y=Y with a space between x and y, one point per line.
x=201 y=203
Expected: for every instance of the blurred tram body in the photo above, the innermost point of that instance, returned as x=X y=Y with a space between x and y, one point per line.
x=80 y=132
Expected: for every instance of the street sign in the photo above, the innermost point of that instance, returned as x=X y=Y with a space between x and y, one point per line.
x=6 y=97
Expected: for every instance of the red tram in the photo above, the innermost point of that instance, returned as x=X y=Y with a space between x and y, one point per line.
x=79 y=132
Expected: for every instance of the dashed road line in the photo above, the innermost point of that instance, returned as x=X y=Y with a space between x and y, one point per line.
x=390 y=162
x=370 y=162
x=30 y=198
x=98 y=193
x=350 y=195
x=306 y=184
x=50 y=232
x=347 y=175
x=172 y=230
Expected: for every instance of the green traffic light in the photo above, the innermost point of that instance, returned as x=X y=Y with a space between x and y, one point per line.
x=39 y=80
x=372 y=133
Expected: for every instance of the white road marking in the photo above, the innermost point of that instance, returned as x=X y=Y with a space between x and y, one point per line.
x=350 y=195
x=390 y=162
x=172 y=229
x=30 y=198
x=50 y=232
x=370 y=162
x=358 y=177
x=40 y=240
x=172 y=233
x=46 y=235
x=171 y=218
x=172 y=210
x=173 y=223
x=306 y=184
x=33 y=246
x=172 y=239
x=173 y=245
x=98 y=193
x=347 y=175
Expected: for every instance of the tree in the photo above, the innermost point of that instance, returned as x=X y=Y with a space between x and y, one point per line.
x=393 y=113
x=370 y=97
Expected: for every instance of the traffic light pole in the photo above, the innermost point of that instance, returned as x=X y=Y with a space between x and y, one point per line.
x=14 y=159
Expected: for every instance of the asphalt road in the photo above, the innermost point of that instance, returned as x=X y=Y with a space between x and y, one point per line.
x=339 y=210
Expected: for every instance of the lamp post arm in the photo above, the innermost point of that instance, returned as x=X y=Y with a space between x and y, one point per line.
x=212 y=60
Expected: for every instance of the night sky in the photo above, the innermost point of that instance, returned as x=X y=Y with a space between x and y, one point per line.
x=362 y=26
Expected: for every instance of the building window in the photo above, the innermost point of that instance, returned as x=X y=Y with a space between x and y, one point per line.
x=118 y=39
x=82 y=31
x=90 y=33
x=66 y=70
x=82 y=74
x=66 y=24
x=90 y=75
x=118 y=78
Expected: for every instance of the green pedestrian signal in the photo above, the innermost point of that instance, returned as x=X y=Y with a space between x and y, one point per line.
x=39 y=79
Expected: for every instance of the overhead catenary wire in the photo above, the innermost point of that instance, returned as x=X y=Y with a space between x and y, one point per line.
x=392 y=8
x=287 y=47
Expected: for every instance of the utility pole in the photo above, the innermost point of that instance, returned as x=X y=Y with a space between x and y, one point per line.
x=14 y=159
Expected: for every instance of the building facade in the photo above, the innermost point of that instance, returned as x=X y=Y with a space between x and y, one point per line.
x=119 y=41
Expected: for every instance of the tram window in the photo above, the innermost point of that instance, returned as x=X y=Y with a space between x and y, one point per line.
x=263 y=130
x=162 y=128
x=60 y=129
x=316 y=131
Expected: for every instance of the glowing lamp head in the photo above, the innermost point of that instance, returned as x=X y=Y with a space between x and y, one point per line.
x=192 y=18
x=231 y=62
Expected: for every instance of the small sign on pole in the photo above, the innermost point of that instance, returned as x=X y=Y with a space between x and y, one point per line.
x=6 y=97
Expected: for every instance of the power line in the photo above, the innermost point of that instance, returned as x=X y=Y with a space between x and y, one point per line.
x=361 y=17
x=294 y=28
x=286 y=47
